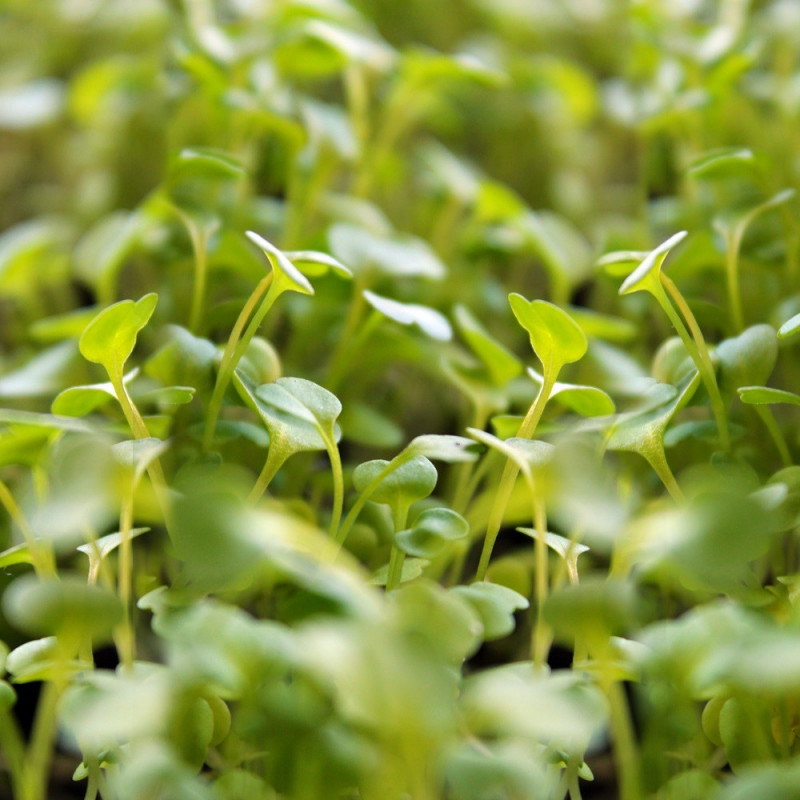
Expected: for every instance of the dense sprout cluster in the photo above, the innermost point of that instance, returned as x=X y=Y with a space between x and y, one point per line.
x=396 y=400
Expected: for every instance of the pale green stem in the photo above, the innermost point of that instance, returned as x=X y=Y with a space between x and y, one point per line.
x=343 y=350
x=139 y=429
x=695 y=344
x=768 y=418
x=126 y=641
x=199 y=246
x=732 y=273
x=13 y=748
x=542 y=634
x=510 y=472
x=397 y=557
x=461 y=492
x=225 y=371
x=338 y=485
x=658 y=461
x=352 y=349
x=40 y=750
x=41 y=558
x=626 y=756
x=276 y=458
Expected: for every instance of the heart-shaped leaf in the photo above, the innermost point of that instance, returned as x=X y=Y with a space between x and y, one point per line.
x=588 y=401
x=110 y=337
x=495 y=606
x=555 y=337
x=749 y=358
x=413 y=480
x=647 y=275
x=428 y=320
x=431 y=533
x=286 y=276
x=640 y=432
x=292 y=425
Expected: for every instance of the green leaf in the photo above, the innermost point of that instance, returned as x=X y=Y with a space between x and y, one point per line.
x=603 y=326
x=442 y=447
x=431 y=533
x=763 y=395
x=110 y=337
x=555 y=337
x=295 y=399
x=428 y=320
x=411 y=481
x=648 y=273
x=40 y=375
x=18 y=554
x=790 y=328
x=286 y=276
x=205 y=162
x=723 y=161
x=412 y=569
x=495 y=605
x=566 y=548
x=593 y=610
x=365 y=425
x=588 y=401
x=315 y=264
x=100 y=548
x=501 y=364
x=41 y=660
x=66 y=607
x=78 y=401
x=749 y=358
x=395 y=255
x=69 y=325
x=641 y=432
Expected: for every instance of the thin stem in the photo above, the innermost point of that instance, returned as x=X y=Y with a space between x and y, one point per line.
x=398 y=557
x=510 y=472
x=13 y=747
x=626 y=756
x=199 y=245
x=225 y=369
x=276 y=457
x=41 y=558
x=139 y=429
x=732 y=273
x=40 y=750
x=126 y=641
x=658 y=461
x=541 y=636
x=342 y=353
x=695 y=344
x=768 y=418
x=338 y=486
